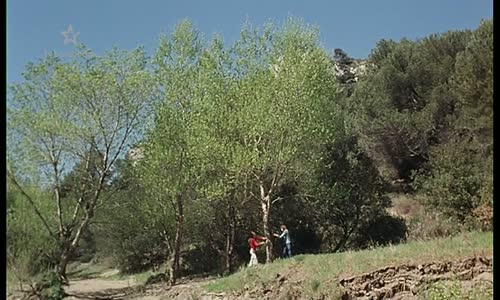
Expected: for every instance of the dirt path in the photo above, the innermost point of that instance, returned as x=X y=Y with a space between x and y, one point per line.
x=102 y=288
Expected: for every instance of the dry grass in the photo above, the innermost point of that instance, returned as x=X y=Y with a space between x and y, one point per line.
x=405 y=205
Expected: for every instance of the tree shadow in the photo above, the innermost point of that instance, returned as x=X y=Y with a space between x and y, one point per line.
x=109 y=294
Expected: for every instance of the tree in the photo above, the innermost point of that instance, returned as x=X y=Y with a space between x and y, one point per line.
x=350 y=195
x=60 y=115
x=458 y=177
x=286 y=86
x=169 y=167
x=403 y=105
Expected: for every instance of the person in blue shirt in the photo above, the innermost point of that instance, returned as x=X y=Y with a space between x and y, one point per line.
x=285 y=236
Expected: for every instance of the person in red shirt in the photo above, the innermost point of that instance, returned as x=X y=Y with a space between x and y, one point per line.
x=254 y=242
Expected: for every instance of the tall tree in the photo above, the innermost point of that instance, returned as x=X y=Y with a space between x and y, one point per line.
x=169 y=165
x=286 y=86
x=61 y=113
x=403 y=104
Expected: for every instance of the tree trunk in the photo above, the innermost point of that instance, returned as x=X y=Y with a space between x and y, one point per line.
x=61 y=267
x=71 y=244
x=230 y=240
x=174 y=266
x=266 y=209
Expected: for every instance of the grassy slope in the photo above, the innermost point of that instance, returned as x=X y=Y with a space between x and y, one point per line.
x=322 y=272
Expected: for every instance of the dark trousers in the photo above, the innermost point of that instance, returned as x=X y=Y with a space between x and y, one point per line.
x=287 y=250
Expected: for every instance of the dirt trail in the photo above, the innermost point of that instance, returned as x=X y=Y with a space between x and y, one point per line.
x=102 y=288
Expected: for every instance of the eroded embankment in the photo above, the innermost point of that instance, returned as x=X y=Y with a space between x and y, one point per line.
x=408 y=280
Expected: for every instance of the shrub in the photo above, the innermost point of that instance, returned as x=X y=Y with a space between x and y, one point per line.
x=448 y=290
x=483 y=216
x=384 y=230
x=140 y=252
x=157 y=278
x=453 y=180
x=48 y=287
x=199 y=260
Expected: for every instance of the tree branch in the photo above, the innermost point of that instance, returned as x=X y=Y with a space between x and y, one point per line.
x=38 y=213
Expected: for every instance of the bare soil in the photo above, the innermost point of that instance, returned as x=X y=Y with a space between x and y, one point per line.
x=406 y=281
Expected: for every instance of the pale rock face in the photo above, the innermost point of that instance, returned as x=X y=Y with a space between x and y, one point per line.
x=357 y=67
x=135 y=154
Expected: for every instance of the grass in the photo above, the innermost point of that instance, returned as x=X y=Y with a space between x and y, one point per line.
x=12 y=282
x=454 y=290
x=321 y=272
x=404 y=205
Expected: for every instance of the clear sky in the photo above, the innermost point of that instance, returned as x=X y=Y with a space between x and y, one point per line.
x=34 y=27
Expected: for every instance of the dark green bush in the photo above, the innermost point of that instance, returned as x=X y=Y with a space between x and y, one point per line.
x=384 y=230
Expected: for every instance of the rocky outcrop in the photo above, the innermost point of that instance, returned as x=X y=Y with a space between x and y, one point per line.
x=351 y=71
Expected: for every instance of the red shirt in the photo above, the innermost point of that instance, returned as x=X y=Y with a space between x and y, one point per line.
x=253 y=241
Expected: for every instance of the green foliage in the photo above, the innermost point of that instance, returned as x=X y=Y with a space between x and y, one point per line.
x=458 y=177
x=134 y=238
x=353 y=198
x=79 y=112
x=30 y=250
x=453 y=185
x=381 y=231
x=425 y=108
x=200 y=260
x=453 y=290
x=315 y=283
x=156 y=278
x=403 y=104
x=49 y=287
x=245 y=137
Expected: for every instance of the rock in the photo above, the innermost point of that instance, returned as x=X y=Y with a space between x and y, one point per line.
x=390 y=282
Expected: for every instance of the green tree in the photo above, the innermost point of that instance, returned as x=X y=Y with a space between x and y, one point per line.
x=403 y=105
x=61 y=113
x=168 y=169
x=286 y=86
x=458 y=176
x=351 y=195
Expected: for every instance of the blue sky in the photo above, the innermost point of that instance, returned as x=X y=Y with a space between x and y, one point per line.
x=34 y=27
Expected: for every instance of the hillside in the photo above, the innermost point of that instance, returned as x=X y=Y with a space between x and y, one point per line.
x=453 y=267
x=322 y=276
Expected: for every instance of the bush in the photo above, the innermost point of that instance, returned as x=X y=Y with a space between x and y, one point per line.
x=352 y=198
x=30 y=249
x=198 y=260
x=455 y=180
x=157 y=278
x=140 y=252
x=48 y=287
x=483 y=217
x=384 y=230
